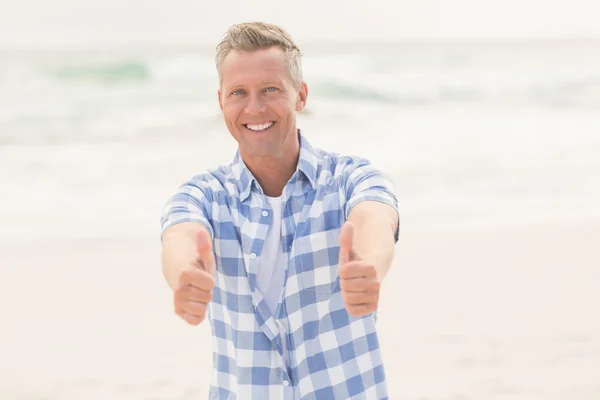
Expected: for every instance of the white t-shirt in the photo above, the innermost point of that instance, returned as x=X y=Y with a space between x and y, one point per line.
x=272 y=266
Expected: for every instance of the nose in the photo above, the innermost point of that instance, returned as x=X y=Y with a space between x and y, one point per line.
x=255 y=106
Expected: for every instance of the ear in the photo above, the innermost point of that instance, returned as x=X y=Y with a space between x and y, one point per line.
x=220 y=97
x=302 y=95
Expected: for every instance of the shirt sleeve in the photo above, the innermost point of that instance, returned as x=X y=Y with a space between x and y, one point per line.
x=190 y=203
x=365 y=182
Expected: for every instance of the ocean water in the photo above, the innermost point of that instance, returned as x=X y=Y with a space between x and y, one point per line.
x=93 y=142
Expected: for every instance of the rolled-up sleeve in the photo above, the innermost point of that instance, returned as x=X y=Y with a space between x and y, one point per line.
x=190 y=203
x=365 y=182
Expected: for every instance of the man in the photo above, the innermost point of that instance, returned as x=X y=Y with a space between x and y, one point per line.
x=285 y=248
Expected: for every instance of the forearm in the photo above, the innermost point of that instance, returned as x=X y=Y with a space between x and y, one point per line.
x=374 y=235
x=178 y=250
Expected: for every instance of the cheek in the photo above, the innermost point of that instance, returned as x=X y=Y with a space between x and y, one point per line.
x=231 y=111
x=284 y=109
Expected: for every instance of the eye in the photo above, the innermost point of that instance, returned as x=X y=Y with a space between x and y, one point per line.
x=271 y=89
x=238 y=92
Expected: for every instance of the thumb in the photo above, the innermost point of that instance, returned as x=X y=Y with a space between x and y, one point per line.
x=346 y=242
x=204 y=247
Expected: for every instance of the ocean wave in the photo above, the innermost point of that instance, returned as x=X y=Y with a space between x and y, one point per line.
x=361 y=77
x=405 y=89
x=119 y=71
x=180 y=68
x=68 y=90
x=340 y=90
x=577 y=91
x=568 y=91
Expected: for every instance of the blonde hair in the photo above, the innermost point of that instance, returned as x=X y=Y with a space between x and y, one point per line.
x=253 y=36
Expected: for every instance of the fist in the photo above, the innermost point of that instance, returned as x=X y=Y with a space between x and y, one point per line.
x=195 y=285
x=358 y=279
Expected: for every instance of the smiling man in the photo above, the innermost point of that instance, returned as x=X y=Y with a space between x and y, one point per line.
x=285 y=248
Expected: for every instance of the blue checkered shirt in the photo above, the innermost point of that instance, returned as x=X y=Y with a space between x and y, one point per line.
x=332 y=355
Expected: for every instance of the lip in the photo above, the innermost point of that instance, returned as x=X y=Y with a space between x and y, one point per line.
x=259 y=123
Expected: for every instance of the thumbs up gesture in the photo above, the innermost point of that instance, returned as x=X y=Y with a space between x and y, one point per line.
x=358 y=279
x=196 y=282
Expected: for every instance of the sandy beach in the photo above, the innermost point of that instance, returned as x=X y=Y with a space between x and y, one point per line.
x=494 y=150
x=489 y=313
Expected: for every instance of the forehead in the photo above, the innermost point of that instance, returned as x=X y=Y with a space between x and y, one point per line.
x=246 y=68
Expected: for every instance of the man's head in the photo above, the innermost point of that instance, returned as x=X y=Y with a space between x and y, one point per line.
x=261 y=89
x=252 y=36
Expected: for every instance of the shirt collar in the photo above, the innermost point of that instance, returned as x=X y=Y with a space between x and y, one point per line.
x=307 y=165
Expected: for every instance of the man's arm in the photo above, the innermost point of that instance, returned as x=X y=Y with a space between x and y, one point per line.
x=367 y=243
x=374 y=238
x=188 y=266
x=179 y=250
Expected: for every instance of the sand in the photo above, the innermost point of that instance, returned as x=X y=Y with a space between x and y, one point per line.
x=489 y=313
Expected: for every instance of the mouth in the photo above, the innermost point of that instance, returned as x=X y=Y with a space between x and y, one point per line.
x=260 y=127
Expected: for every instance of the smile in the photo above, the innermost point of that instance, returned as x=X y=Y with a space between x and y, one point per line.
x=259 y=127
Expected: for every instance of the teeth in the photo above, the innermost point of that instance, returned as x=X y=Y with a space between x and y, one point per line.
x=260 y=127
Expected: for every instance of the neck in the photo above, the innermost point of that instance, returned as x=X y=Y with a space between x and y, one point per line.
x=274 y=172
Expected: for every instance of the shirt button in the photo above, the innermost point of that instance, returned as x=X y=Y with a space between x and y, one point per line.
x=286 y=383
x=265 y=213
x=253 y=256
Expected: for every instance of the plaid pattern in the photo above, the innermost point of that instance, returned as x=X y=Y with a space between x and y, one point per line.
x=332 y=355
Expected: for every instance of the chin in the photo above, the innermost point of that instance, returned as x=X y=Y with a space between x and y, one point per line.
x=261 y=151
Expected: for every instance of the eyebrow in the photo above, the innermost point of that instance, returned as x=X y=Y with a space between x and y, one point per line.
x=264 y=82
x=269 y=81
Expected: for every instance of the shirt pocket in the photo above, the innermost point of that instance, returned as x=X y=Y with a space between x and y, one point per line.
x=320 y=254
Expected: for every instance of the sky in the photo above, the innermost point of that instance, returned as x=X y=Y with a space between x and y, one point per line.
x=125 y=23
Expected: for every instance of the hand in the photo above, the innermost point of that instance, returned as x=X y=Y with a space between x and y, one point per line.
x=196 y=282
x=358 y=279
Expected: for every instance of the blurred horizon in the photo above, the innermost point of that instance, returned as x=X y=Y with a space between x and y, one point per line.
x=325 y=44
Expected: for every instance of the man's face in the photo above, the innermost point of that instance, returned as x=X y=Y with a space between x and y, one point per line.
x=259 y=102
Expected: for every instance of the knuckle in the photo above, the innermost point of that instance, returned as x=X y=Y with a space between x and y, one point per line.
x=206 y=280
x=179 y=292
x=192 y=318
x=374 y=287
x=204 y=297
x=197 y=309
x=177 y=302
x=349 y=288
x=371 y=269
x=352 y=310
x=355 y=312
x=211 y=281
x=355 y=298
x=185 y=276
